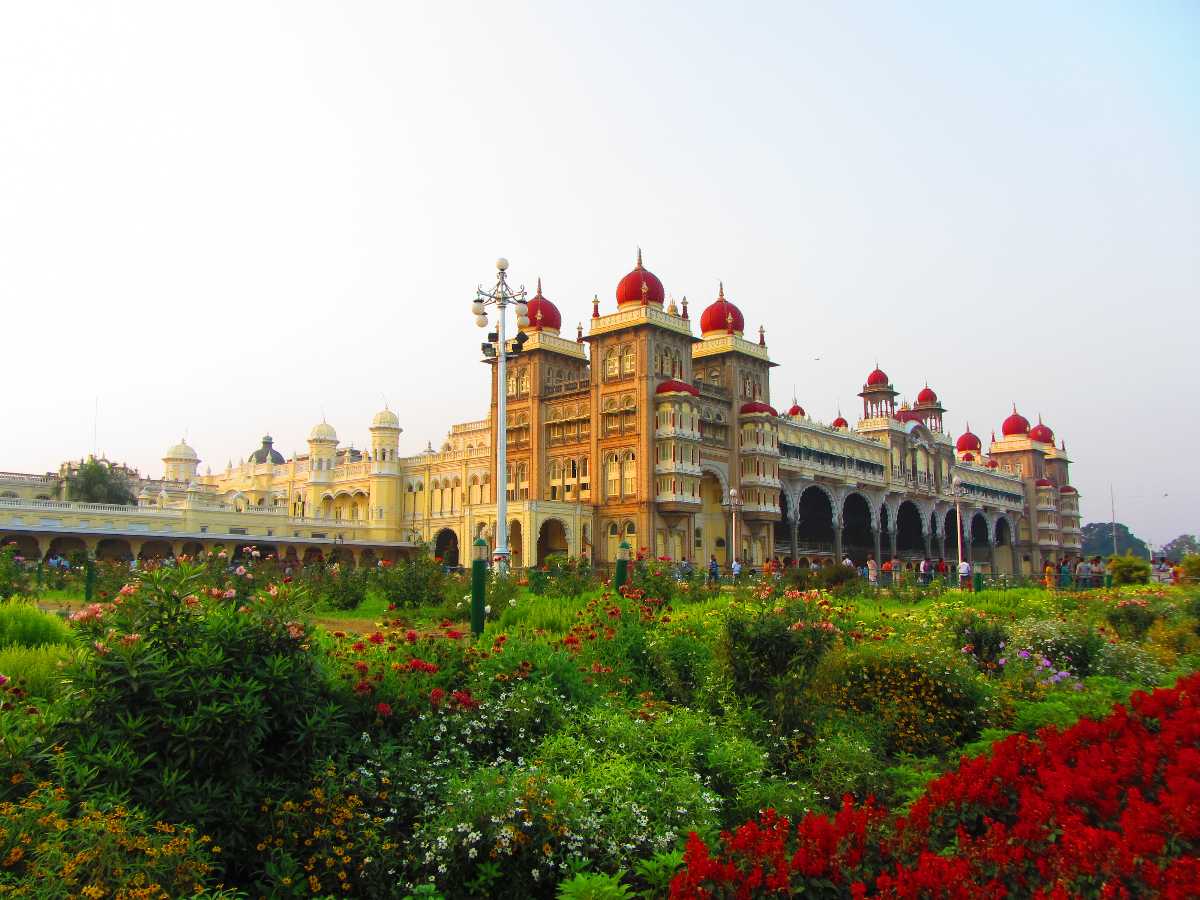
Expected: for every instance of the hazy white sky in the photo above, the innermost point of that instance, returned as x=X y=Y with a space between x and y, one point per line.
x=223 y=219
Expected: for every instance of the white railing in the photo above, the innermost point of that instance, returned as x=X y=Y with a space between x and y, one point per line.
x=28 y=479
x=74 y=506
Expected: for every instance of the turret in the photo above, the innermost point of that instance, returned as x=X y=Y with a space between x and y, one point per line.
x=180 y=462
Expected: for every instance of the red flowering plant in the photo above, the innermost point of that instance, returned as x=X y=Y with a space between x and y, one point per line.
x=1106 y=808
x=403 y=672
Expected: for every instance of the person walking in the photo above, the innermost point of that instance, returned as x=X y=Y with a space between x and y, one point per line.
x=872 y=570
x=1083 y=574
x=964 y=575
x=736 y=569
x=714 y=570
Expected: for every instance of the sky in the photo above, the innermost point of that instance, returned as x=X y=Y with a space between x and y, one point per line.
x=232 y=218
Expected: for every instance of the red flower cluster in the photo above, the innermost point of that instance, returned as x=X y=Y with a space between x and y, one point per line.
x=1105 y=809
x=419 y=665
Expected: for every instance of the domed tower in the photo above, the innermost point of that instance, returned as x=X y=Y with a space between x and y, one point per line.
x=180 y=463
x=543 y=315
x=385 y=468
x=640 y=287
x=878 y=396
x=322 y=457
x=929 y=409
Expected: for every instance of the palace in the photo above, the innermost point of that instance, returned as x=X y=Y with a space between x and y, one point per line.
x=638 y=430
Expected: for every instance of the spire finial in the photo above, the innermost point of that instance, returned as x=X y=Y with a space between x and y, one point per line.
x=595 y=306
x=579 y=333
x=639 y=262
x=684 y=302
x=539 y=290
x=720 y=290
x=729 y=322
x=762 y=336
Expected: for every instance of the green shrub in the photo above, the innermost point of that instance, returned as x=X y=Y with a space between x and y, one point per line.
x=1190 y=566
x=983 y=638
x=1129 y=662
x=1070 y=646
x=36 y=670
x=844 y=758
x=1132 y=616
x=656 y=579
x=344 y=588
x=14 y=579
x=1129 y=569
x=197 y=708
x=594 y=886
x=925 y=702
x=413 y=582
x=96 y=850
x=27 y=626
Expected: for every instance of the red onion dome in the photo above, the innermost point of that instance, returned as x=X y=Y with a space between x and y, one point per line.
x=878 y=378
x=797 y=411
x=721 y=317
x=1015 y=424
x=543 y=315
x=675 y=386
x=638 y=284
x=1041 y=433
x=927 y=397
x=993 y=464
x=839 y=422
x=1067 y=489
x=968 y=441
x=1044 y=482
x=757 y=406
x=968 y=457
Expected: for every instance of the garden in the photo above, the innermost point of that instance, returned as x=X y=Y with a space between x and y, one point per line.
x=223 y=728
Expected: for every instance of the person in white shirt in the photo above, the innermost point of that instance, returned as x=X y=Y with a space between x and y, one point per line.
x=964 y=575
x=848 y=562
x=736 y=569
x=872 y=569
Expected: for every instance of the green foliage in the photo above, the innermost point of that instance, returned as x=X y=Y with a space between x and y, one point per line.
x=1129 y=569
x=413 y=582
x=1190 y=565
x=37 y=670
x=14 y=579
x=983 y=637
x=97 y=850
x=925 y=702
x=1098 y=540
x=594 y=886
x=27 y=626
x=656 y=578
x=1070 y=646
x=1132 y=617
x=98 y=482
x=1181 y=547
x=844 y=758
x=344 y=588
x=198 y=709
x=656 y=873
x=561 y=577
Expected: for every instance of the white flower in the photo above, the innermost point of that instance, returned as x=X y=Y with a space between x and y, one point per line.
x=487 y=609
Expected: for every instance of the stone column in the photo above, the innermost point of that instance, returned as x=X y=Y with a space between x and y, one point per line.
x=875 y=533
x=892 y=543
x=837 y=540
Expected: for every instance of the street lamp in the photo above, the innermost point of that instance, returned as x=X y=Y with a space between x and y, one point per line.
x=959 y=492
x=734 y=502
x=500 y=296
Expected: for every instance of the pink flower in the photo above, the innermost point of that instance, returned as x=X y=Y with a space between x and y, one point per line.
x=240 y=570
x=229 y=594
x=128 y=589
x=383 y=709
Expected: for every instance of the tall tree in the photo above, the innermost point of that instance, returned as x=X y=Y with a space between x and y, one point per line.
x=1184 y=545
x=96 y=482
x=1098 y=541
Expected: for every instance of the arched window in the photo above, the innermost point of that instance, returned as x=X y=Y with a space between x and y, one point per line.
x=612 y=477
x=612 y=364
x=524 y=385
x=627 y=360
x=629 y=475
x=512 y=385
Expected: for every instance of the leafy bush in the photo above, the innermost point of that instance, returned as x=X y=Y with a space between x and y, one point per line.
x=1070 y=646
x=594 y=886
x=983 y=637
x=844 y=758
x=1129 y=569
x=196 y=708
x=36 y=670
x=14 y=580
x=344 y=588
x=1190 y=566
x=1129 y=662
x=561 y=577
x=1132 y=616
x=51 y=848
x=925 y=702
x=656 y=579
x=413 y=582
x=26 y=625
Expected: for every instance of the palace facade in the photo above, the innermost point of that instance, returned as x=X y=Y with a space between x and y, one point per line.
x=646 y=429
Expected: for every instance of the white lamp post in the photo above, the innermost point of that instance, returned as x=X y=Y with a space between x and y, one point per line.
x=500 y=296
x=734 y=503
x=958 y=493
